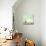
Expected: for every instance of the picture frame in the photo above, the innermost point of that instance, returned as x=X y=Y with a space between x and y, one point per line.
x=28 y=20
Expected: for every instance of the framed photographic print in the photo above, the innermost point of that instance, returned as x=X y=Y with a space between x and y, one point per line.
x=28 y=20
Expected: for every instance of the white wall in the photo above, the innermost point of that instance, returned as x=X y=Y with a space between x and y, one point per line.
x=29 y=31
x=6 y=13
x=43 y=22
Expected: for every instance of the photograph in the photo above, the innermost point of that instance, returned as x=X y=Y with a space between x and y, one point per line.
x=22 y=22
